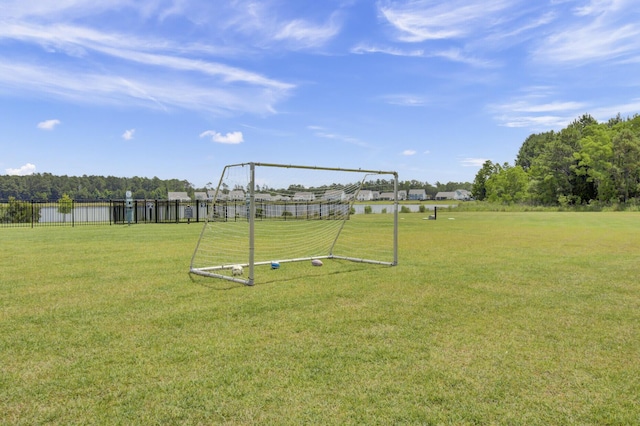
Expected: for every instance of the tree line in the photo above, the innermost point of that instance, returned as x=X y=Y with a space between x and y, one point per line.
x=586 y=162
x=49 y=187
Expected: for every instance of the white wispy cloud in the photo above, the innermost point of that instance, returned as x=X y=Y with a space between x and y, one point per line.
x=146 y=90
x=537 y=122
x=77 y=40
x=18 y=9
x=257 y=20
x=472 y=162
x=533 y=23
x=604 y=112
x=145 y=64
x=339 y=137
x=232 y=138
x=458 y=55
x=597 y=7
x=27 y=169
x=387 y=50
x=474 y=32
x=405 y=100
x=128 y=134
x=146 y=51
x=601 y=30
x=461 y=31
x=409 y=152
x=553 y=106
x=303 y=34
x=537 y=108
x=417 y=21
x=452 y=54
x=48 y=124
x=324 y=133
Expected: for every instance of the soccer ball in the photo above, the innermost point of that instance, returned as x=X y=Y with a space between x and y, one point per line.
x=275 y=265
x=316 y=262
x=236 y=270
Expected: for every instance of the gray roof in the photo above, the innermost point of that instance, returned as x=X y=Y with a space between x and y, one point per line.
x=182 y=196
x=458 y=194
x=200 y=195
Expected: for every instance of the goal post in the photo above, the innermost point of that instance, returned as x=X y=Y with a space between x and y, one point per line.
x=262 y=214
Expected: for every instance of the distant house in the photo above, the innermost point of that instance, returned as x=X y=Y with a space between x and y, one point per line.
x=334 y=195
x=179 y=196
x=212 y=193
x=200 y=195
x=458 y=194
x=402 y=195
x=304 y=196
x=417 y=194
x=259 y=196
x=236 y=195
x=365 y=195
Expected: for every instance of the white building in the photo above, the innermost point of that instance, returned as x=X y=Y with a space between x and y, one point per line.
x=365 y=195
x=458 y=194
x=417 y=194
x=334 y=195
x=304 y=196
x=236 y=195
x=180 y=196
x=259 y=196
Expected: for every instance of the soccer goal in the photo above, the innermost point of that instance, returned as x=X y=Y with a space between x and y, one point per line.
x=262 y=215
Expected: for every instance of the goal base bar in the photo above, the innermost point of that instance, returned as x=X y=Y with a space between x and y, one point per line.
x=209 y=271
x=358 y=260
x=205 y=273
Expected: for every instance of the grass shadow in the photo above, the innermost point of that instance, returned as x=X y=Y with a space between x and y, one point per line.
x=345 y=267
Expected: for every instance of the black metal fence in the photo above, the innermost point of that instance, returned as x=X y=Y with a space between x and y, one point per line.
x=16 y=213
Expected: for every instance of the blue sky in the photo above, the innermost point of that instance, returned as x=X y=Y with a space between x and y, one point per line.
x=180 y=88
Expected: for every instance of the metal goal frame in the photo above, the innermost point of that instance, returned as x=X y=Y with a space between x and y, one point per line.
x=216 y=271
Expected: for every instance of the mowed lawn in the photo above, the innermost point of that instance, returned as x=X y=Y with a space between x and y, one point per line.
x=490 y=318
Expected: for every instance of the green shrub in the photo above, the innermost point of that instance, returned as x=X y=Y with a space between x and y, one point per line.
x=19 y=212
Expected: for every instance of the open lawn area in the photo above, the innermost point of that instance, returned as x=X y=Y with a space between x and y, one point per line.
x=489 y=318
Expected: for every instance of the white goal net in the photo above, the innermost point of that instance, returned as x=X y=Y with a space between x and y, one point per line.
x=262 y=215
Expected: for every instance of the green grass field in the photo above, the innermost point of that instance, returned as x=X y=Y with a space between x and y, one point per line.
x=490 y=318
